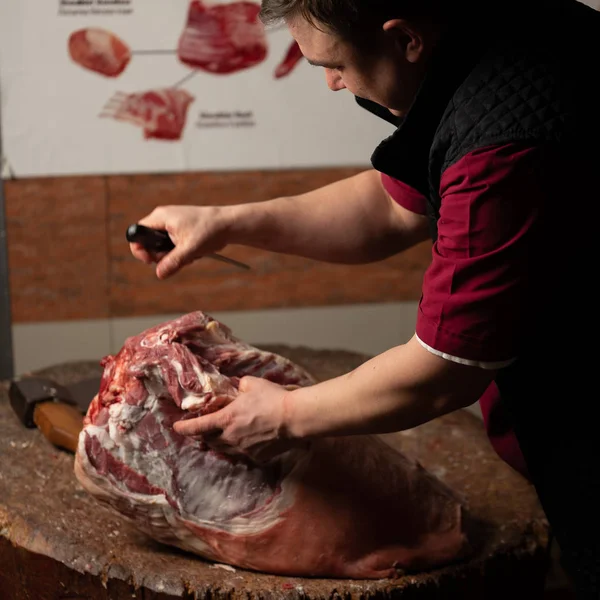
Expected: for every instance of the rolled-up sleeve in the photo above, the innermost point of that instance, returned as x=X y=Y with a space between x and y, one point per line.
x=477 y=291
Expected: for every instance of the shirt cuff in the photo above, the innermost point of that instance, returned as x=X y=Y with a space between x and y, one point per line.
x=452 y=348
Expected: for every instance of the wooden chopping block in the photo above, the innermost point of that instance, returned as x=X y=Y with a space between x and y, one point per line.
x=57 y=542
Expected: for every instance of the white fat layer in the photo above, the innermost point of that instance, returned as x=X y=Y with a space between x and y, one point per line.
x=126 y=413
x=200 y=375
x=152 y=514
x=203 y=378
x=191 y=402
x=209 y=491
x=209 y=384
x=178 y=368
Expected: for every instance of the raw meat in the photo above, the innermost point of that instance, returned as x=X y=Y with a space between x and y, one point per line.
x=222 y=38
x=291 y=59
x=161 y=113
x=99 y=50
x=343 y=507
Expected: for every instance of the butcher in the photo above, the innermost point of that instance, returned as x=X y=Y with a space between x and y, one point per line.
x=494 y=157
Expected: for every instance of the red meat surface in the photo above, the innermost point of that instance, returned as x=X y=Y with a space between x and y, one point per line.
x=342 y=507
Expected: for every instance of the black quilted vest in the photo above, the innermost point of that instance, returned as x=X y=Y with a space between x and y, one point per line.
x=525 y=82
x=532 y=81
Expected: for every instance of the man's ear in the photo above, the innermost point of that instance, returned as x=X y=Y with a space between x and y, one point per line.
x=406 y=38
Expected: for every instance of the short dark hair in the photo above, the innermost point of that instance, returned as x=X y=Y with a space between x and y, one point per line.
x=354 y=20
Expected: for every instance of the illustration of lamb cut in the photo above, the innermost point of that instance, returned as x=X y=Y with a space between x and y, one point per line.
x=99 y=50
x=161 y=113
x=226 y=38
x=222 y=38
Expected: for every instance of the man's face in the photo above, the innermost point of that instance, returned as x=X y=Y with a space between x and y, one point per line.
x=389 y=75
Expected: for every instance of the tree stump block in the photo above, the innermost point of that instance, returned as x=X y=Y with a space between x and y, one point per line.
x=57 y=542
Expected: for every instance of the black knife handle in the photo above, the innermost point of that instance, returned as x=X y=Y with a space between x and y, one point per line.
x=153 y=240
x=158 y=240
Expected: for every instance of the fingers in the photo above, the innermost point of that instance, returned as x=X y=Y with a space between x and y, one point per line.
x=172 y=262
x=207 y=425
x=140 y=253
x=156 y=219
x=194 y=230
x=167 y=218
x=168 y=263
x=207 y=429
x=247 y=383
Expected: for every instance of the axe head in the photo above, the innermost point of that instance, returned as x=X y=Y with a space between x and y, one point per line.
x=25 y=394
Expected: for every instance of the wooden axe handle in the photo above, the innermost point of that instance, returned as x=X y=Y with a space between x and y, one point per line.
x=60 y=423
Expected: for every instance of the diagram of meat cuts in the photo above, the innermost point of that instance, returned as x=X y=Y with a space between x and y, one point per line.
x=161 y=113
x=99 y=50
x=223 y=38
x=219 y=39
x=342 y=507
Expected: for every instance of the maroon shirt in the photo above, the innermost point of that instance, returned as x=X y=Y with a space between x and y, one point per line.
x=475 y=291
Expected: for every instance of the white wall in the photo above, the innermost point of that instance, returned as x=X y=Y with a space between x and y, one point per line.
x=369 y=329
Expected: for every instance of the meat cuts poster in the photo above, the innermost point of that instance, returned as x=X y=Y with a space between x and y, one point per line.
x=126 y=86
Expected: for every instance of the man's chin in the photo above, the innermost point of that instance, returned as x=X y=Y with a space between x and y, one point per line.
x=396 y=113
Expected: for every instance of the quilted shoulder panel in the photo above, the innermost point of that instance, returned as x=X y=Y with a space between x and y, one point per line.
x=510 y=96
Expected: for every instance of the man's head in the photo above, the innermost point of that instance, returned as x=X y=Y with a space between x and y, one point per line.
x=377 y=49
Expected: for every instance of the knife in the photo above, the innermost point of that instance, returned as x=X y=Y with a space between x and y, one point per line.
x=158 y=240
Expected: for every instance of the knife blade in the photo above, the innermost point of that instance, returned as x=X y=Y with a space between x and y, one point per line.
x=158 y=240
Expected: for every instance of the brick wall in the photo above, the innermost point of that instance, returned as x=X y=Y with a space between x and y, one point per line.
x=68 y=257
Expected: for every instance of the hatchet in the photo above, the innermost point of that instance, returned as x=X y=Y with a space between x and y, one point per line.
x=56 y=410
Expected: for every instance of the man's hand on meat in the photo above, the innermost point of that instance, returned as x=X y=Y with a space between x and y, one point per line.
x=254 y=424
x=399 y=389
x=350 y=221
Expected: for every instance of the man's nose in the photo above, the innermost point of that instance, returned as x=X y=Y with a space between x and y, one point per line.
x=334 y=80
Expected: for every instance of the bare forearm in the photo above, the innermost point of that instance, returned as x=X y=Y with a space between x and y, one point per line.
x=394 y=391
x=349 y=221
